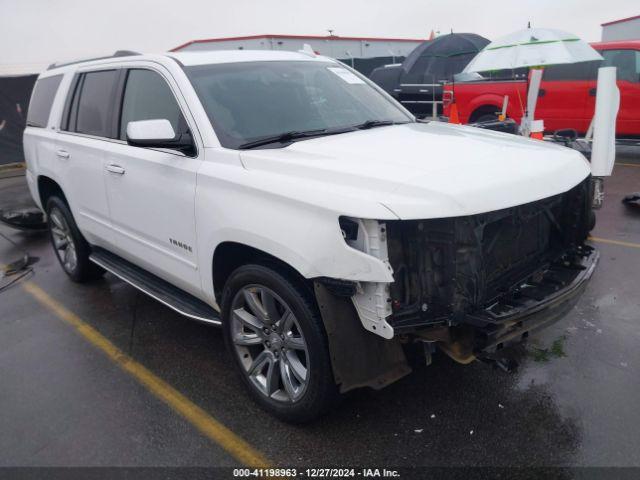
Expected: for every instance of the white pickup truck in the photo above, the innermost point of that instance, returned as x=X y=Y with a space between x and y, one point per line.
x=288 y=199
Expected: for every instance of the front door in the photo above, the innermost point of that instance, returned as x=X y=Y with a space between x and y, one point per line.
x=152 y=191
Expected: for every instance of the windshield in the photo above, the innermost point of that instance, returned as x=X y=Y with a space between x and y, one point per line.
x=250 y=101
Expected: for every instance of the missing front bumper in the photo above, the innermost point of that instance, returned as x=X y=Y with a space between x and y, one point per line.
x=482 y=333
x=494 y=331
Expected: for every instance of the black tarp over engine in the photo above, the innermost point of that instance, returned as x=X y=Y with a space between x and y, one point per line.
x=15 y=92
x=417 y=82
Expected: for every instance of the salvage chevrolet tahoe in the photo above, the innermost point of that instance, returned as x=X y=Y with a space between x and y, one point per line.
x=288 y=199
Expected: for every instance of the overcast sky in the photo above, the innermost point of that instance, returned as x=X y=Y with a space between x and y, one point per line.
x=36 y=32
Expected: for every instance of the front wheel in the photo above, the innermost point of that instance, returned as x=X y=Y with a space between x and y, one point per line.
x=274 y=331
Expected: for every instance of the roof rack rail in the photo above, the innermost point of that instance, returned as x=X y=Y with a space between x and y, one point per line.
x=118 y=53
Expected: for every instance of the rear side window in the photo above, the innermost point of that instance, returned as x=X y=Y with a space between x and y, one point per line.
x=93 y=104
x=572 y=71
x=41 y=101
x=148 y=97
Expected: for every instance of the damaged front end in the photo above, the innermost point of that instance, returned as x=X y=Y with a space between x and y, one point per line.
x=470 y=285
x=490 y=278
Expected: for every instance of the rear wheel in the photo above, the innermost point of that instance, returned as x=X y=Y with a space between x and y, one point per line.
x=275 y=334
x=68 y=243
x=486 y=117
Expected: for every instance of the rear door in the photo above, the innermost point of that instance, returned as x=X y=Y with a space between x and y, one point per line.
x=563 y=96
x=85 y=132
x=152 y=191
x=627 y=63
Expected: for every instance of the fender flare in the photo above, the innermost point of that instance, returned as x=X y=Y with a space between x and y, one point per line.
x=494 y=100
x=484 y=102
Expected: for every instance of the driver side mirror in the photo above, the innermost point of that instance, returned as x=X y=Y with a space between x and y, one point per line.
x=158 y=134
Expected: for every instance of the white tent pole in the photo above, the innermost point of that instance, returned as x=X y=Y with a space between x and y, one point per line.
x=505 y=105
x=532 y=100
x=603 y=148
x=589 y=134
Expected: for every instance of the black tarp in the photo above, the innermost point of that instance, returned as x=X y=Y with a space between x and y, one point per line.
x=15 y=92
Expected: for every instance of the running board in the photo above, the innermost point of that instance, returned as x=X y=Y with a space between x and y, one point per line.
x=158 y=289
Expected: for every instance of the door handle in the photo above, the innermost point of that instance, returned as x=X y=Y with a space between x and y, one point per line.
x=115 y=169
x=542 y=92
x=62 y=154
x=592 y=92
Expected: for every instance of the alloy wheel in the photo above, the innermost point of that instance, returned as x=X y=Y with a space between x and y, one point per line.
x=268 y=340
x=63 y=241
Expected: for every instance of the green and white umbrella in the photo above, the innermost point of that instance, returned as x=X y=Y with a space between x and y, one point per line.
x=532 y=47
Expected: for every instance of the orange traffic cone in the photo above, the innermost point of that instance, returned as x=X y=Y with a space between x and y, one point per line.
x=537 y=135
x=537 y=129
x=453 y=114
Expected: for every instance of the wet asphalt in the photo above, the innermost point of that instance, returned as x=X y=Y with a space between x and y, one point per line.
x=573 y=401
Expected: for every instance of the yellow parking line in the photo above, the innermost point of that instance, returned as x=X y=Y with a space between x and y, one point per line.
x=615 y=242
x=200 y=419
x=628 y=164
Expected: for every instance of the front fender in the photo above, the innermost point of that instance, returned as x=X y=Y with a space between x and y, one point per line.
x=306 y=237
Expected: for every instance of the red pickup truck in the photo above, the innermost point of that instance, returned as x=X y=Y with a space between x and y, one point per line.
x=567 y=94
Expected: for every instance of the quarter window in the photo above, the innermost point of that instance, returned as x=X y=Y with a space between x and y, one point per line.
x=148 y=97
x=41 y=101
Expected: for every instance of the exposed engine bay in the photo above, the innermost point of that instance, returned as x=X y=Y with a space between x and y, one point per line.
x=482 y=270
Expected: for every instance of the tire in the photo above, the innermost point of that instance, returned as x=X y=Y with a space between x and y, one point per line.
x=68 y=243
x=285 y=364
x=592 y=220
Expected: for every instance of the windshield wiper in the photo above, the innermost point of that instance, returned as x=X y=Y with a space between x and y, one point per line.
x=376 y=123
x=289 y=137
x=283 y=138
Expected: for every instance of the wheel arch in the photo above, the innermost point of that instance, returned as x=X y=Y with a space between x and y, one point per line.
x=484 y=109
x=492 y=102
x=229 y=255
x=48 y=187
x=375 y=363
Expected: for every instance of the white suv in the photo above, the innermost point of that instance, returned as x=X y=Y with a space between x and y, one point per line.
x=287 y=198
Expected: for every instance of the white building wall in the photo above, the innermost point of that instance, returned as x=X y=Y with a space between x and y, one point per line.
x=335 y=48
x=626 y=30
